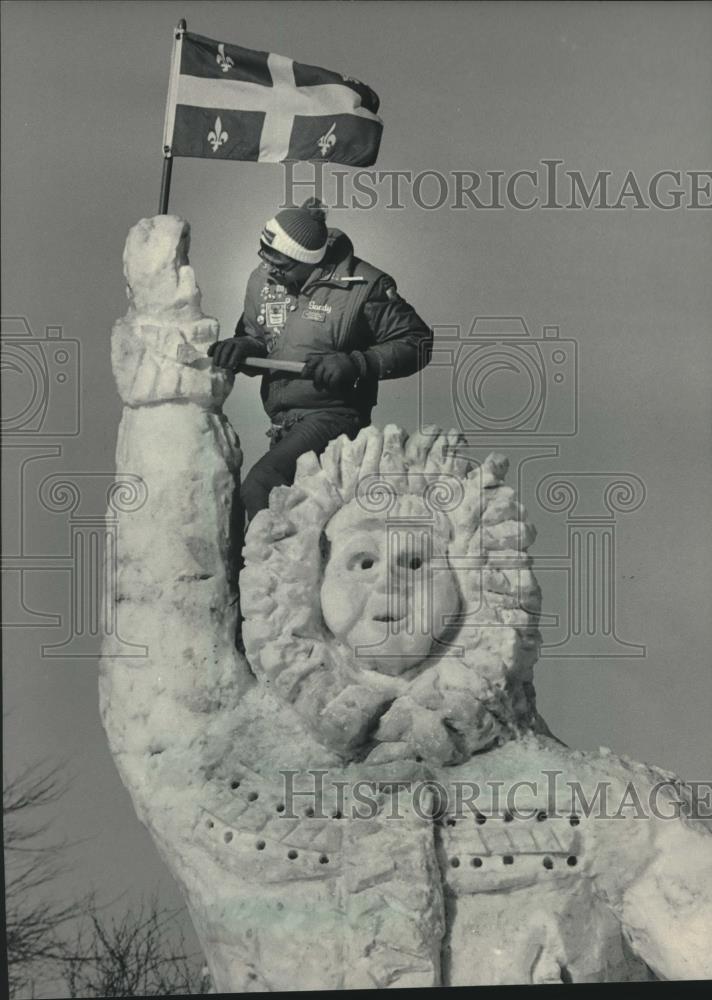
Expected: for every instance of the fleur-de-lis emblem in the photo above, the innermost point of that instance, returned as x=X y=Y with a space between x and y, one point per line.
x=217 y=137
x=327 y=141
x=224 y=62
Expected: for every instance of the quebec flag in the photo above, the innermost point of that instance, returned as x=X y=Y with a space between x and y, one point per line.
x=230 y=103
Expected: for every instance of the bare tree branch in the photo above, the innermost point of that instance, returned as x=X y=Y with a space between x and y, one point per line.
x=142 y=952
x=32 y=866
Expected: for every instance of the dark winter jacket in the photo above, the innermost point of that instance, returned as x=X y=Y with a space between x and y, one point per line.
x=346 y=305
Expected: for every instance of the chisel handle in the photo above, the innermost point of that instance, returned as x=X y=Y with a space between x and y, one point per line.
x=276 y=366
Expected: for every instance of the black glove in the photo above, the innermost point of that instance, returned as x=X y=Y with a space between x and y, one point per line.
x=331 y=371
x=232 y=353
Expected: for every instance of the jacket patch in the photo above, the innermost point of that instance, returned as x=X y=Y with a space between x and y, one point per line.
x=276 y=313
x=314 y=314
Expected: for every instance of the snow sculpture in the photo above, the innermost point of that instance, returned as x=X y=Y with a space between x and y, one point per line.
x=370 y=798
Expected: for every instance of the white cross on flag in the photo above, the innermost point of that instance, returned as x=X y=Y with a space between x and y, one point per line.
x=227 y=102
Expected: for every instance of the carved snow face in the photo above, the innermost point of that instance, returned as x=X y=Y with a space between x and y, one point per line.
x=388 y=590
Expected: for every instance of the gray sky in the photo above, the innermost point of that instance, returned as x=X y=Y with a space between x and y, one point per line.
x=484 y=87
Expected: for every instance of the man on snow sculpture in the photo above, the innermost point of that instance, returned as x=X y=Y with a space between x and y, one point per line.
x=340 y=325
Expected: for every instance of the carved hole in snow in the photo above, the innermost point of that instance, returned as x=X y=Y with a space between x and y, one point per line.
x=323 y=860
x=309 y=811
x=418 y=759
x=209 y=823
x=477 y=862
x=253 y=796
x=292 y=855
x=507 y=859
x=548 y=863
x=227 y=836
x=234 y=784
x=455 y=862
x=260 y=845
x=541 y=816
x=451 y=821
x=324 y=548
x=508 y=817
x=280 y=807
x=480 y=819
x=565 y=976
x=574 y=821
x=336 y=815
x=571 y=861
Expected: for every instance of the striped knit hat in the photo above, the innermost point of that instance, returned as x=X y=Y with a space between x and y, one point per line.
x=299 y=233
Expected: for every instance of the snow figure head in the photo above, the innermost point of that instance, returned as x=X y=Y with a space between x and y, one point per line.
x=388 y=591
x=388 y=598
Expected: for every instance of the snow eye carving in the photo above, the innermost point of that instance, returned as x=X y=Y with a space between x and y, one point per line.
x=361 y=561
x=411 y=561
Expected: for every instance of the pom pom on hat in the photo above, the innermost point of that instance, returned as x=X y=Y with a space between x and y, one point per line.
x=299 y=233
x=316 y=208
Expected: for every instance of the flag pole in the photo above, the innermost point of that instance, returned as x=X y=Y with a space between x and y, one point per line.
x=165 y=183
x=170 y=118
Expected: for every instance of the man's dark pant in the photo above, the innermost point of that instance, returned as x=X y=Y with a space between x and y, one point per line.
x=295 y=435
